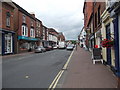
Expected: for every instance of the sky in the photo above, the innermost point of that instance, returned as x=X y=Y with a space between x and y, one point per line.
x=63 y=15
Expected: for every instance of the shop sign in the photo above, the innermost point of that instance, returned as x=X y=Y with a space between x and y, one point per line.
x=27 y=38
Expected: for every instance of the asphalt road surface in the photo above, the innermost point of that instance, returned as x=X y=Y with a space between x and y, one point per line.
x=35 y=70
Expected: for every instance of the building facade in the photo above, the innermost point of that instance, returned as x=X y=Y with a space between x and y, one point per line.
x=45 y=41
x=107 y=32
x=61 y=37
x=39 y=32
x=82 y=38
x=53 y=37
x=7 y=28
x=24 y=24
x=115 y=14
x=88 y=24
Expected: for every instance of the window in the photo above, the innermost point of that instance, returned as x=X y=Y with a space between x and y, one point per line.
x=31 y=22
x=99 y=15
x=32 y=33
x=95 y=20
x=24 y=30
x=24 y=19
x=8 y=19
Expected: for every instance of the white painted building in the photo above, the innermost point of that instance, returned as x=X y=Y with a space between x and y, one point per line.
x=52 y=39
x=82 y=38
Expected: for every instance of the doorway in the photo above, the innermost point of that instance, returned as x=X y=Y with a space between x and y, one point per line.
x=8 y=43
x=108 y=49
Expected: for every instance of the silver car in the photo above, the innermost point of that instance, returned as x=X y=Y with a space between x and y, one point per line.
x=40 y=49
x=69 y=47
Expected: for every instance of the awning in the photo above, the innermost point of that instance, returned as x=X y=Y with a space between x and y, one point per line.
x=27 y=38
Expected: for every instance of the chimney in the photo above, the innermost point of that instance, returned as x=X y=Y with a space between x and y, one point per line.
x=33 y=14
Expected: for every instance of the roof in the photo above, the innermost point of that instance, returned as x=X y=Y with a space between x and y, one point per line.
x=23 y=10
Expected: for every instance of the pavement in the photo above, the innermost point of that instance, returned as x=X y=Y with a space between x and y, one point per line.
x=82 y=73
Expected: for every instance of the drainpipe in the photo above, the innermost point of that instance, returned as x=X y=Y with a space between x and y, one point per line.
x=93 y=25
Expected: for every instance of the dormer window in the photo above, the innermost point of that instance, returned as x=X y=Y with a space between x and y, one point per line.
x=8 y=19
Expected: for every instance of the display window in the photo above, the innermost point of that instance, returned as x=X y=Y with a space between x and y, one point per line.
x=8 y=43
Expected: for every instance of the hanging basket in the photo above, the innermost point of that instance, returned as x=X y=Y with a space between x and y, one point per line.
x=107 y=43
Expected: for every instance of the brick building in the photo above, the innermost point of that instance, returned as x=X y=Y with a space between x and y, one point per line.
x=99 y=8
x=88 y=24
x=39 y=32
x=92 y=22
x=45 y=36
x=61 y=37
x=6 y=28
x=25 y=25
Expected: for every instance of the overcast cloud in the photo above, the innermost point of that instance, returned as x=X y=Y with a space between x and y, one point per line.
x=64 y=15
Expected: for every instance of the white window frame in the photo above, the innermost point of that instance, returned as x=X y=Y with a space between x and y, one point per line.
x=7 y=20
x=24 y=30
x=32 y=32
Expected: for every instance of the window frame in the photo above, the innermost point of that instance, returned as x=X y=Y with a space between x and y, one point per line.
x=8 y=19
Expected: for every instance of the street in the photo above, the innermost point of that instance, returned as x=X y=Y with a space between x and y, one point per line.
x=35 y=70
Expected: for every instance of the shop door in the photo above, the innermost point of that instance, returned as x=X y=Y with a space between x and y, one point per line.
x=8 y=43
x=108 y=49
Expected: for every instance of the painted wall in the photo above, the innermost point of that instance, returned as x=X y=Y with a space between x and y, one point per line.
x=107 y=20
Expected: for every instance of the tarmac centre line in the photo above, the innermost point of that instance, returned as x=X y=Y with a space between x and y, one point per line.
x=57 y=78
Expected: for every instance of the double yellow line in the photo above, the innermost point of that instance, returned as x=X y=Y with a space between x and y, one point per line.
x=57 y=78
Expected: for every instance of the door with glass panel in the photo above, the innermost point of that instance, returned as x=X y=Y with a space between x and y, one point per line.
x=8 y=43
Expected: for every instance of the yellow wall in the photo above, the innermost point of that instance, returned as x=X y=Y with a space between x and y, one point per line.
x=103 y=32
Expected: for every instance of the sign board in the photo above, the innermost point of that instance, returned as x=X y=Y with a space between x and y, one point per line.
x=97 y=53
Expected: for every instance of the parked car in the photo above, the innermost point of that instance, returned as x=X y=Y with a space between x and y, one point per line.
x=69 y=47
x=43 y=49
x=55 y=47
x=48 y=48
x=40 y=49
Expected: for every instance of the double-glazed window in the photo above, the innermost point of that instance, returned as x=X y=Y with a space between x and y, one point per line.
x=24 y=30
x=8 y=19
x=32 y=33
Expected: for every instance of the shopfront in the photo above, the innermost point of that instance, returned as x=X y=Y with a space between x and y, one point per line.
x=7 y=42
x=27 y=43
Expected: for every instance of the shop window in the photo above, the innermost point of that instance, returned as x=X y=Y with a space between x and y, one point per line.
x=24 y=46
x=8 y=19
x=8 y=43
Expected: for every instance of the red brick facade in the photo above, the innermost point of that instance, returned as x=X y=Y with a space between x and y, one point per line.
x=5 y=9
x=61 y=37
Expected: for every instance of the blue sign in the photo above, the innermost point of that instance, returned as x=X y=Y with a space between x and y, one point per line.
x=27 y=38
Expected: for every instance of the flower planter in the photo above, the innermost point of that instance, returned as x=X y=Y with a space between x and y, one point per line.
x=107 y=43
